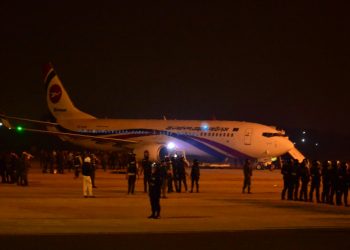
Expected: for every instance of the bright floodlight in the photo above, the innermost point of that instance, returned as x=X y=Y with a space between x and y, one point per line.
x=170 y=145
x=1 y=124
x=205 y=126
x=304 y=132
x=303 y=140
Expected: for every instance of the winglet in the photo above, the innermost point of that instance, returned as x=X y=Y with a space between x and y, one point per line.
x=46 y=69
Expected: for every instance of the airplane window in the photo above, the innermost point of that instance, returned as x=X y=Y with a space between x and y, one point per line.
x=235 y=129
x=231 y=135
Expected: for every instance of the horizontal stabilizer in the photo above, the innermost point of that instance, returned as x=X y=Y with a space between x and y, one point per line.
x=296 y=154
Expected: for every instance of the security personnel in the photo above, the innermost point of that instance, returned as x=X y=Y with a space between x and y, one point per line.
x=176 y=172
x=333 y=177
x=305 y=178
x=341 y=182
x=325 y=181
x=295 y=175
x=248 y=172
x=347 y=184
x=315 y=173
x=170 y=174
x=163 y=178
x=181 y=168
x=131 y=173
x=146 y=169
x=93 y=169
x=86 y=172
x=154 y=191
x=78 y=162
x=195 y=174
x=286 y=172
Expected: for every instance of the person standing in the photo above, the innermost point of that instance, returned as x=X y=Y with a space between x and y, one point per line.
x=146 y=170
x=163 y=178
x=86 y=172
x=195 y=174
x=248 y=172
x=315 y=173
x=347 y=184
x=333 y=177
x=155 y=191
x=93 y=169
x=295 y=179
x=78 y=162
x=325 y=181
x=305 y=178
x=131 y=173
x=181 y=168
x=341 y=174
x=170 y=174
x=286 y=172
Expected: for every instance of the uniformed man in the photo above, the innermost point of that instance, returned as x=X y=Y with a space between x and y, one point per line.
x=195 y=174
x=347 y=184
x=146 y=170
x=154 y=191
x=286 y=172
x=170 y=174
x=295 y=179
x=248 y=172
x=181 y=169
x=93 y=169
x=163 y=178
x=131 y=173
x=341 y=182
x=78 y=162
x=305 y=178
x=333 y=177
x=325 y=172
x=315 y=173
x=86 y=172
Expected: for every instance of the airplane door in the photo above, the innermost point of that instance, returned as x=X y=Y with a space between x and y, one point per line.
x=248 y=136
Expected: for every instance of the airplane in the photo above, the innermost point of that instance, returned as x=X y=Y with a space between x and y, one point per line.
x=206 y=140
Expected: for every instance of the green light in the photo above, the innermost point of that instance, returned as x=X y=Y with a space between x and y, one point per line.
x=19 y=128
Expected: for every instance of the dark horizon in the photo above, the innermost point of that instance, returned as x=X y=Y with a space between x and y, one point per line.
x=273 y=63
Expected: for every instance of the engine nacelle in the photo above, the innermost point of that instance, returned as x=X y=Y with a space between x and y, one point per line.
x=156 y=152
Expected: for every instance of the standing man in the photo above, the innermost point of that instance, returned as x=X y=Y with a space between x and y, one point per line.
x=195 y=173
x=248 y=172
x=146 y=169
x=341 y=182
x=78 y=162
x=93 y=169
x=333 y=177
x=315 y=173
x=181 y=168
x=295 y=179
x=305 y=178
x=347 y=184
x=170 y=174
x=86 y=172
x=163 y=178
x=131 y=173
x=154 y=191
x=286 y=172
x=325 y=181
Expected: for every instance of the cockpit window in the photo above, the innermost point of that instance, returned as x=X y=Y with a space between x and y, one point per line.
x=266 y=134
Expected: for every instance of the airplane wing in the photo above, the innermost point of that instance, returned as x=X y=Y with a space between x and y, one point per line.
x=5 y=121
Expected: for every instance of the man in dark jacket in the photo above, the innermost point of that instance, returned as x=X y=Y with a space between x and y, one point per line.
x=131 y=173
x=154 y=191
x=315 y=173
x=305 y=178
x=195 y=174
x=325 y=181
x=146 y=170
x=286 y=172
x=248 y=172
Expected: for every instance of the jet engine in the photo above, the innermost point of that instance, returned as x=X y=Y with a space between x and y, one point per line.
x=156 y=152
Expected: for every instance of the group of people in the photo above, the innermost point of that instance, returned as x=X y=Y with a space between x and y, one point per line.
x=160 y=178
x=14 y=167
x=333 y=175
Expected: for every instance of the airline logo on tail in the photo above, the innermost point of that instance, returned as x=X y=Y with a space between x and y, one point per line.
x=55 y=93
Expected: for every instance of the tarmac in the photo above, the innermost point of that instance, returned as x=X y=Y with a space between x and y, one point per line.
x=51 y=212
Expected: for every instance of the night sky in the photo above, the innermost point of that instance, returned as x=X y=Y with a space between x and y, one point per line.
x=279 y=63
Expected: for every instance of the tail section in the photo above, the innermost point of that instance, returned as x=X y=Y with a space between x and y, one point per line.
x=60 y=105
